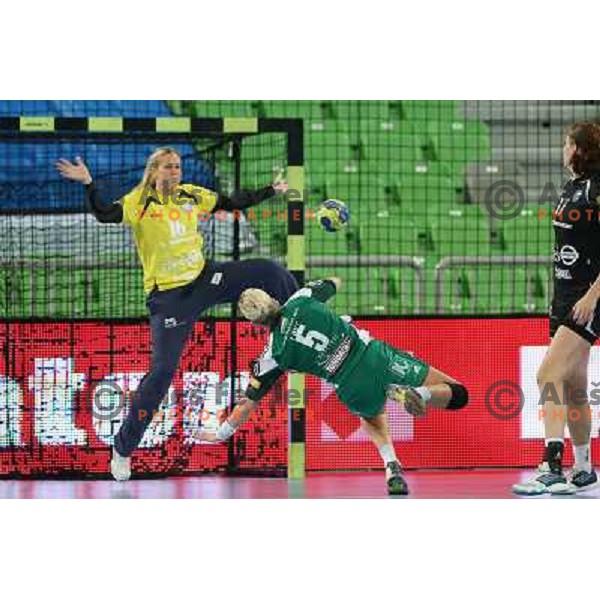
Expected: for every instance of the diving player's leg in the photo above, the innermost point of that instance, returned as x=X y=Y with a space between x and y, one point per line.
x=417 y=386
x=169 y=336
x=377 y=429
x=444 y=391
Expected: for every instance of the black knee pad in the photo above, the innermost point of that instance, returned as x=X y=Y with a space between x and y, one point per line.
x=460 y=397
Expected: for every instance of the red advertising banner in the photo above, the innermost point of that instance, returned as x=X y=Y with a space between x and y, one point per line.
x=485 y=355
x=66 y=387
x=59 y=406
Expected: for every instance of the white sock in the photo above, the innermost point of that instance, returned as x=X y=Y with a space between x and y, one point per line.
x=582 y=457
x=387 y=453
x=424 y=392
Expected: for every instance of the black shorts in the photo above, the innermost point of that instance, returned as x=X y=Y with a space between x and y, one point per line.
x=561 y=314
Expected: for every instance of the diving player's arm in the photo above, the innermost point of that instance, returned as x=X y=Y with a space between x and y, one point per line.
x=323 y=289
x=241 y=413
x=248 y=198
x=78 y=171
x=336 y=281
x=265 y=375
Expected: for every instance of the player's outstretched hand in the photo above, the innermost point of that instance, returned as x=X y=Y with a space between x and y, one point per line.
x=207 y=436
x=336 y=281
x=76 y=171
x=281 y=186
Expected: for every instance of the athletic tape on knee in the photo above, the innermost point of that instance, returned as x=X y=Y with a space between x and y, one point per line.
x=460 y=397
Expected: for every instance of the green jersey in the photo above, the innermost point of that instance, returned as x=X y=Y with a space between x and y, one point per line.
x=310 y=338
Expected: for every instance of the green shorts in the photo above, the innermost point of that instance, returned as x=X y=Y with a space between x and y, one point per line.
x=364 y=388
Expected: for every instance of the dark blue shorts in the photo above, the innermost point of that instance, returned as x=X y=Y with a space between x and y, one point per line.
x=220 y=283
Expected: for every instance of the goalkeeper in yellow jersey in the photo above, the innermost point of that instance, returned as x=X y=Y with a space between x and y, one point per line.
x=180 y=283
x=307 y=336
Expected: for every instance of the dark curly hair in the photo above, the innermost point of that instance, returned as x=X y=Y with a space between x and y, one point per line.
x=586 y=137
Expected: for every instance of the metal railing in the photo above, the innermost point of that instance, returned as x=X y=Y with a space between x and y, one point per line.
x=451 y=262
x=52 y=266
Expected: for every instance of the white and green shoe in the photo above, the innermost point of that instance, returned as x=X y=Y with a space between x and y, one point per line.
x=544 y=481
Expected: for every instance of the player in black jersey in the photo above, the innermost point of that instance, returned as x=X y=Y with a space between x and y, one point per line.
x=574 y=318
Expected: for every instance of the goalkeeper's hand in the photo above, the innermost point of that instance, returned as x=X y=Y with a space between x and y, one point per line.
x=76 y=171
x=280 y=186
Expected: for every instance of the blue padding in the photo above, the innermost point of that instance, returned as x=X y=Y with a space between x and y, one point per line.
x=28 y=180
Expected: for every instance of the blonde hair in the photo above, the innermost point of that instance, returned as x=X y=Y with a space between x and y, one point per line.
x=152 y=165
x=257 y=306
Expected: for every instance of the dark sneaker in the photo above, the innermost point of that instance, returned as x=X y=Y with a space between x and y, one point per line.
x=543 y=482
x=396 y=483
x=583 y=480
x=580 y=480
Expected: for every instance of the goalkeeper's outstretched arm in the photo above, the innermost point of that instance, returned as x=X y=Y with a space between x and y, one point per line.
x=248 y=198
x=78 y=171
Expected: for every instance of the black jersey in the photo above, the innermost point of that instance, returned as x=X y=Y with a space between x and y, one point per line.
x=577 y=236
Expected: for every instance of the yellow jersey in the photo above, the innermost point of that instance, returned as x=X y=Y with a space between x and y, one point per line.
x=165 y=231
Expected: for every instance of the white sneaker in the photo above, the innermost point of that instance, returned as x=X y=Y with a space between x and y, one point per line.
x=543 y=482
x=120 y=466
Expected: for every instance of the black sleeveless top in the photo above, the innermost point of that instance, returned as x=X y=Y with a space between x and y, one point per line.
x=577 y=236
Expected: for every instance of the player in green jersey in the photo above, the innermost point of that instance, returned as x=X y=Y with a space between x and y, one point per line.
x=308 y=337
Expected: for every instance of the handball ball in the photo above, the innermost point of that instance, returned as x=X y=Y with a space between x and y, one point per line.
x=333 y=215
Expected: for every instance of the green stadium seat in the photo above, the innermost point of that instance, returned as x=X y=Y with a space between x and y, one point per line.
x=359 y=111
x=364 y=193
x=321 y=243
x=460 y=142
x=383 y=125
x=385 y=149
x=263 y=159
x=460 y=229
x=221 y=108
x=328 y=152
x=515 y=289
x=296 y=109
x=426 y=111
x=403 y=239
x=427 y=184
x=527 y=235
